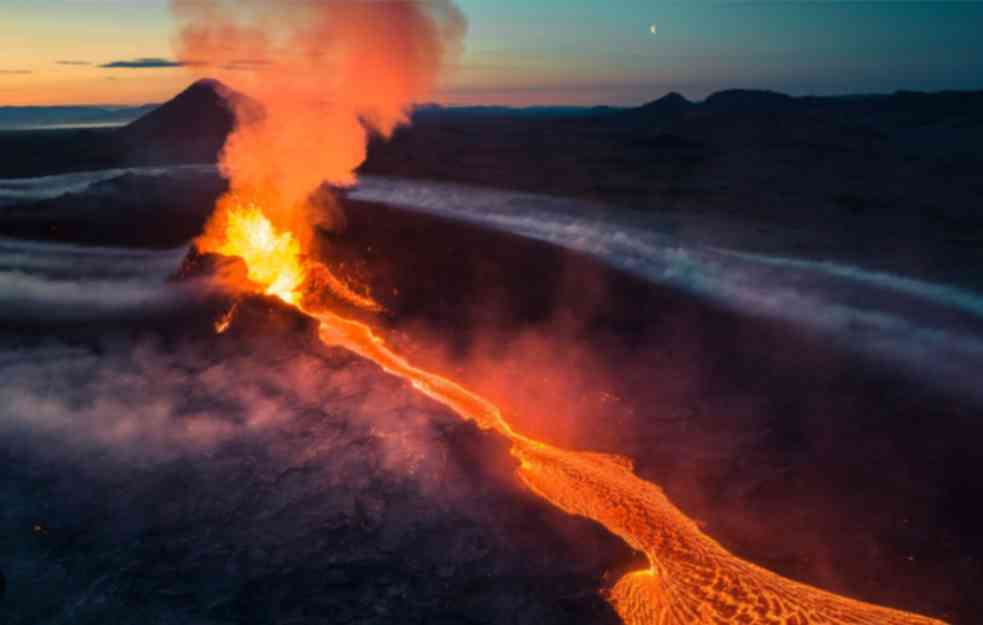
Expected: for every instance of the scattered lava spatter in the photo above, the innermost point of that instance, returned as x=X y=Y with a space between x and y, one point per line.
x=692 y=580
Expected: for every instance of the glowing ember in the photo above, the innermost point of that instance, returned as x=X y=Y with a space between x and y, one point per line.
x=319 y=275
x=226 y=320
x=692 y=579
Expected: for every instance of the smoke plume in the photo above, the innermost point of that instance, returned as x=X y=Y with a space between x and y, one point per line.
x=320 y=76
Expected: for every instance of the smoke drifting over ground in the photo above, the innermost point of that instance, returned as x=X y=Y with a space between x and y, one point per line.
x=145 y=401
x=320 y=77
x=288 y=487
x=53 y=282
x=909 y=323
x=131 y=391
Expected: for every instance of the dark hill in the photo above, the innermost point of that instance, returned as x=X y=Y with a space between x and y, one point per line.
x=748 y=101
x=671 y=104
x=191 y=128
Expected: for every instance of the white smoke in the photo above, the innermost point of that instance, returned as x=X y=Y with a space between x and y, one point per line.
x=909 y=323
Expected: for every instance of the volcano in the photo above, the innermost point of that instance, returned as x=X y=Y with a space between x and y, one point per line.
x=266 y=448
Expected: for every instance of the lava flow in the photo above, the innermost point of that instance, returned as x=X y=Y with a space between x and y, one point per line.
x=691 y=579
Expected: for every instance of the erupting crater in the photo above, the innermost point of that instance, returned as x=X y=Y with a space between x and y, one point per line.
x=691 y=579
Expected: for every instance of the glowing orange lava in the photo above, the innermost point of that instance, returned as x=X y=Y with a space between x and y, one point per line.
x=225 y=320
x=692 y=580
x=273 y=258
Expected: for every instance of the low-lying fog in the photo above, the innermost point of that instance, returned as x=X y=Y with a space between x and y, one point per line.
x=914 y=324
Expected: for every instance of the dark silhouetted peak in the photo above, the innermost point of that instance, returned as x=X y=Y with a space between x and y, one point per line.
x=206 y=84
x=669 y=104
x=749 y=101
x=192 y=127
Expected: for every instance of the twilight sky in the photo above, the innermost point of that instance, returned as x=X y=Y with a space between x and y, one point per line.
x=546 y=51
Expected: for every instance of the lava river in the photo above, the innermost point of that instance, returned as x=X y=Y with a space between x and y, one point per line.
x=691 y=578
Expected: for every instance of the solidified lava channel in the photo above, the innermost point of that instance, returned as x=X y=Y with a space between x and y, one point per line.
x=691 y=578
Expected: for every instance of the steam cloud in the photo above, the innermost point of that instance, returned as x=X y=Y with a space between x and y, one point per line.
x=324 y=74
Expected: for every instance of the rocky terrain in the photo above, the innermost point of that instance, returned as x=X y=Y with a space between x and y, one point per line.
x=276 y=481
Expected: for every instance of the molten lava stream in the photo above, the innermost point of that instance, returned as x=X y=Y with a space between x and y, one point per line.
x=692 y=579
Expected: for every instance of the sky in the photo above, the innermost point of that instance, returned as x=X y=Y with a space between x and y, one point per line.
x=528 y=52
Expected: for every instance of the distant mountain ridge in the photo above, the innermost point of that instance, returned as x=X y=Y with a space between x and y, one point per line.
x=745 y=101
x=431 y=111
x=204 y=100
x=194 y=125
x=751 y=101
x=26 y=117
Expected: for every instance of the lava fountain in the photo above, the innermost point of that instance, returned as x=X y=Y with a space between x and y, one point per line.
x=324 y=74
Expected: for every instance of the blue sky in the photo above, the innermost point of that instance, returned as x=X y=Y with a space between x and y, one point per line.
x=552 y=51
